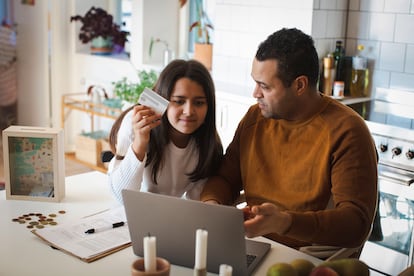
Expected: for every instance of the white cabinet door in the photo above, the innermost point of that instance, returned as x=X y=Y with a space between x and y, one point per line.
x=230 y=109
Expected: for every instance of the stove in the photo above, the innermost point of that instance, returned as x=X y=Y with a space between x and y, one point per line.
x=390 y=118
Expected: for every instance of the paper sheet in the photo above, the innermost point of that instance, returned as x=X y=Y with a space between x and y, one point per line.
x=71 y=237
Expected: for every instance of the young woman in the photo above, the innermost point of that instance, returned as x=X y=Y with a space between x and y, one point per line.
x=172 y=154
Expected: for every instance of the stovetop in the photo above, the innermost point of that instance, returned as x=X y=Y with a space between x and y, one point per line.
x=382 y=112
x=390 y=119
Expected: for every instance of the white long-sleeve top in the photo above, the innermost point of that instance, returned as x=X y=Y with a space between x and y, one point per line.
x=172 y=178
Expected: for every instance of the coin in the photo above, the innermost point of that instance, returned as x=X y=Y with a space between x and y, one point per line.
x=39 y=226
x=52 y=215
x=62 y=212
x=53 y=223
x=33 y=223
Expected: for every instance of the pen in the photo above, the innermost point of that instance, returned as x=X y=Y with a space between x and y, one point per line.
x=100 y=229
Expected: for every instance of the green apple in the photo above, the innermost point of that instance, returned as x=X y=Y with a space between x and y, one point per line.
x=281 y=269
x=348 y=267
x=303 y=267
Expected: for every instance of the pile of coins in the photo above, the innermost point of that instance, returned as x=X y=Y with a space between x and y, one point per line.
x=37 y=220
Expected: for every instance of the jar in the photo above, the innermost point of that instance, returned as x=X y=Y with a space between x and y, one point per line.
x=338 y=89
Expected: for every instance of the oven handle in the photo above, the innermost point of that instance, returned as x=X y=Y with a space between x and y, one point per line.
x=395 y=177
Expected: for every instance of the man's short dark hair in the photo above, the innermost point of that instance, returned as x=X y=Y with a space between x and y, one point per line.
x=295 y=53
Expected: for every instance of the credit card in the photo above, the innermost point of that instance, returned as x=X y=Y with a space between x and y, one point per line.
x=153 y=100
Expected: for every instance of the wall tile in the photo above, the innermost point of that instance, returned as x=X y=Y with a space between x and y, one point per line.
x=382 y=27
x=392 y=57
x=238 y=70
x=358 y=25
x=323 y=47
x=380 y=78
x=342 y=5
x=221 y=67
x=402 y=81
x=335 y=24
x=319 y=24
x=328 y=5
x=404 y=29
x=354 y=5
x=409 y=60
x=248 y=45
x=397 y=6
x=372 y=5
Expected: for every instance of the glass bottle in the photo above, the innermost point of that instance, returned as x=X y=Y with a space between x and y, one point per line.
x=360 y=75
x=338 y=54
x=328 y=74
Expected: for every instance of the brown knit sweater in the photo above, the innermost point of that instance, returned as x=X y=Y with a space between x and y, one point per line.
x=300 y=166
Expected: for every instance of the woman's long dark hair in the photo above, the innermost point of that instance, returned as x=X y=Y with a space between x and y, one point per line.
x=206 y=137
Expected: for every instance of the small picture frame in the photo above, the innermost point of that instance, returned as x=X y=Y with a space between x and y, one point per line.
x=34 y=167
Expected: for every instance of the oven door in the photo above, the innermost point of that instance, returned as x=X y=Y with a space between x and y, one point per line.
x=393 y=253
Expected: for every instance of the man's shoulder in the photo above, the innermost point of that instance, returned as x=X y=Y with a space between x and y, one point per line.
x=342 y=117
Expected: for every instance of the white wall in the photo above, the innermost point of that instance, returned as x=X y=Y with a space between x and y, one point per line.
x=241 y=25
x=386 y=29
x=33 y=103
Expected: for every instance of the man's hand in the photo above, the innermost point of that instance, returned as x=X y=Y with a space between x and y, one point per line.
x=211 y=201
x=265 y=219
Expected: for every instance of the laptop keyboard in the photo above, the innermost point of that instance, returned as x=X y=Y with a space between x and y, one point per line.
x=250 y=259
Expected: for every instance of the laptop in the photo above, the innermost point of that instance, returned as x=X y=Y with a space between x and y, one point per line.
x=174 y=221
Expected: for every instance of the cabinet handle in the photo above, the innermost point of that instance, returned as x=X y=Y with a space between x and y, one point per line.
x=223 y=117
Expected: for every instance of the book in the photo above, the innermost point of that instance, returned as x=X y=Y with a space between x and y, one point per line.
x=77 y=239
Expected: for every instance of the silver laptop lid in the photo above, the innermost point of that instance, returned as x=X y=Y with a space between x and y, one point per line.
x=174 y=221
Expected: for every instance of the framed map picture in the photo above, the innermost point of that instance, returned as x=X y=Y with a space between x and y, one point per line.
x=34 y=163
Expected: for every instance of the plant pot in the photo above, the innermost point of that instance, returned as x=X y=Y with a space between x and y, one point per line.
x=204 y=54
x=101 y=46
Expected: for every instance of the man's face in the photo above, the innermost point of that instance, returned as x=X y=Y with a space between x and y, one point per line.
x=275 y=100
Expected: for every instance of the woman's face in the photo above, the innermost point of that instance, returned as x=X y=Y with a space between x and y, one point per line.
x=188 y=106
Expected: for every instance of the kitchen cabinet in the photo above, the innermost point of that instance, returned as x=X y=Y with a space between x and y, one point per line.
x=230 y=109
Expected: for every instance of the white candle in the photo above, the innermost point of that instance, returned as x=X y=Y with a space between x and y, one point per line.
x=225 y=270
x=201 y=249
x=150 y=254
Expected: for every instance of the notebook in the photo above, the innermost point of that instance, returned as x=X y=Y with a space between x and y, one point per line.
x=174 y=221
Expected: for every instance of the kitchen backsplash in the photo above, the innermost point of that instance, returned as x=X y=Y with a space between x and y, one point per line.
x=384 y=27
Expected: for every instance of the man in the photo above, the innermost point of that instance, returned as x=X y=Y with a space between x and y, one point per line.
x=306 y=162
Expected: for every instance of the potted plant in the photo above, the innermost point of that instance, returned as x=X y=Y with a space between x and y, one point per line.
x=99 y=29
x=203 y=48
x=129 y=92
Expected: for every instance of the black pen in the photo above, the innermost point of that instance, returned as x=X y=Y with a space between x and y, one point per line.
x=100 y=229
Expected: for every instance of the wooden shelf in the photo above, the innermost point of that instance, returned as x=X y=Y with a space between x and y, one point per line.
x=81 y=102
